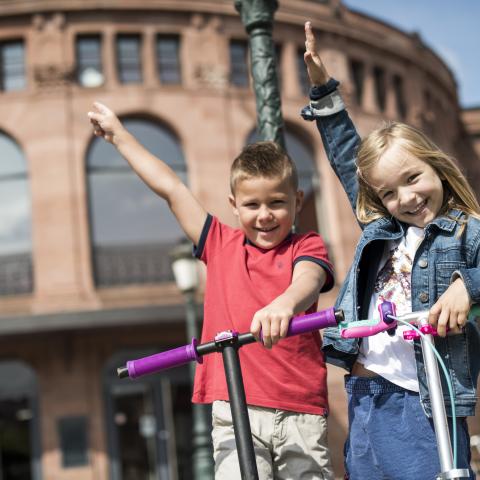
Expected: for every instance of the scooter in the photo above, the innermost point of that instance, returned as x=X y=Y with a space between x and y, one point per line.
x=228 y=343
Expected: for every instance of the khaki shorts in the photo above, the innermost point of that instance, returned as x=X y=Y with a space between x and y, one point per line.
x=288 y=445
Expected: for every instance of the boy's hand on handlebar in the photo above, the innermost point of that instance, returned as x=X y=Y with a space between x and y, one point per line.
x=272 y=321
x=316 y=69
x=451 y=309
x=105 y=122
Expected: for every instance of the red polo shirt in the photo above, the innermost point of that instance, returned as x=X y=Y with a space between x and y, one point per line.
x=242 y=279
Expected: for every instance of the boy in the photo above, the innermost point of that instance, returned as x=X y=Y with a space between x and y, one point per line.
x=258 y=277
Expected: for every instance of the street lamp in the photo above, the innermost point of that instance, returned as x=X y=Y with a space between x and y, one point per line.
x=257 y=17
x=184 y=267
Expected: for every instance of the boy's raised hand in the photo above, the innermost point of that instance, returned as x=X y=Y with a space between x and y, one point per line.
x=105 y=122
x=451 y=309
x=315 y=67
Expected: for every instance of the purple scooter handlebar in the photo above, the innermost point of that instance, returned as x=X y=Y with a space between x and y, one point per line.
x=181 y=355
x=314 y=321
x=162 y=361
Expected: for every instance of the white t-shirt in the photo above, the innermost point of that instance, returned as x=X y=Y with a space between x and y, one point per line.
x=392 y=357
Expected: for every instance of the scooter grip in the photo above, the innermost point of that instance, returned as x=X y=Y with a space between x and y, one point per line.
x=314 y=321
x=364 y=330
x=163 y=360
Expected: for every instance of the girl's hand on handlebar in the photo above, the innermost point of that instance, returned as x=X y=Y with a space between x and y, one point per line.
x=451 y=309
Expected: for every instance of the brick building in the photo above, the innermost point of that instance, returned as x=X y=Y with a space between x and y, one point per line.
x=85 y=278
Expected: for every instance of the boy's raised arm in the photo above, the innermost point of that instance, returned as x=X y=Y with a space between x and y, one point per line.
x=153 y=171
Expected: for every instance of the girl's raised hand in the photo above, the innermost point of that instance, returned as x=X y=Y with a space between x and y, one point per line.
x=105 y=122
x=315 y=67
x=451 y=309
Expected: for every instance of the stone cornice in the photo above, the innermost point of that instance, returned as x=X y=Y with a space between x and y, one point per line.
x=330 y=17
x=88 y=319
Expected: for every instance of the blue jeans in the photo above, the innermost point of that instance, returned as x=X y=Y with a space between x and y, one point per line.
x=390 y=437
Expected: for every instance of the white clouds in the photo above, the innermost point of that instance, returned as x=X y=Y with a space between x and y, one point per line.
x=449 y=28
x=453 y=61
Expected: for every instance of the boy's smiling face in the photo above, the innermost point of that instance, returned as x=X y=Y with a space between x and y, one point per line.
x=266 y=209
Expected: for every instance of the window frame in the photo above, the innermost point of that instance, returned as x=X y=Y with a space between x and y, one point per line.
x=239 y=72
x=128 y=64
x=16 y=274
x=130 y=258
x=165 y=66
x=4 y=67
x=97 y=65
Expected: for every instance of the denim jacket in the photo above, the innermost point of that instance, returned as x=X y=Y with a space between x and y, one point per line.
x=444 y=252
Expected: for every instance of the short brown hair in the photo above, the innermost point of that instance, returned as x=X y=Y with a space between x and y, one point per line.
x=263 y=159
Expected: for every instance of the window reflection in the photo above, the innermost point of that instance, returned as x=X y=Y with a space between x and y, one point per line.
x=357 y=72
x=399 y=96
x=129 y=58
x=168 y=59
x=239 y=75
x=132 y=228
x=89 y=60
x=15 y=225
x=380 y=87
x=12 y=66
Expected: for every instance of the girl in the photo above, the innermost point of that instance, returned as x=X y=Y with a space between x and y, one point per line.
x=420 y=248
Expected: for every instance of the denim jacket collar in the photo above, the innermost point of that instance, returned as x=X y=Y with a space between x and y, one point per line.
x=387 y=228
x=447 y=222
x=392 y=228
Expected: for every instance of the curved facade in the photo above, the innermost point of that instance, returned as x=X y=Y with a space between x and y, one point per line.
x=94 y=286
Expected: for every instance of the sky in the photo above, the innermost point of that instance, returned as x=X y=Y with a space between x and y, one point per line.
x=450 y=28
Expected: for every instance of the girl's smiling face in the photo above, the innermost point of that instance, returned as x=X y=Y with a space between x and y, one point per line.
x=408 y=188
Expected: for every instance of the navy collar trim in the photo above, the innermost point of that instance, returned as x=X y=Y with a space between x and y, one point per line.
x=288 y=238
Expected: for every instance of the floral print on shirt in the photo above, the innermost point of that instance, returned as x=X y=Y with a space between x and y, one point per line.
x=394 y=279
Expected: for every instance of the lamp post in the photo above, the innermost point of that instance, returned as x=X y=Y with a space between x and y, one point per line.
x=184 y=267
x=257 y=17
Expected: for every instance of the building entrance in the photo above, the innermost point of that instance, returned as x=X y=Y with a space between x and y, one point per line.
x=149 y=425
x=19 y=449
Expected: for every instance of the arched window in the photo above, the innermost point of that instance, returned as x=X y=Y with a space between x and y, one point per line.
x=149 y=422
x=15 y=225
x=19 y=422
x=302 y=154
x=132 y=229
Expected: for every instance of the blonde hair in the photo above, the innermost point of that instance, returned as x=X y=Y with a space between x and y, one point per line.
x=263 y=159
x=457 y=192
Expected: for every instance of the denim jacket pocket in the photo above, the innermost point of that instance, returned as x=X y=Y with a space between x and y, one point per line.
x=443 y=274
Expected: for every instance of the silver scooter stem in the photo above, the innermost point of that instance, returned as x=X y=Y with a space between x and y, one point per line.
x=439 y=415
